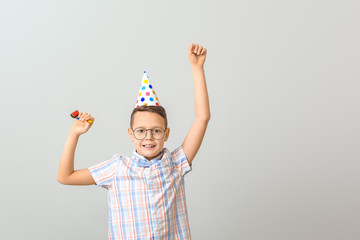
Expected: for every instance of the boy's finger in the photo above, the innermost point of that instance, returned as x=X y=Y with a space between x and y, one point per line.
x=89 y=117
x=196 y=48
x=84 y=116
x=191 y=47
x=200 y=49
x=203 y=51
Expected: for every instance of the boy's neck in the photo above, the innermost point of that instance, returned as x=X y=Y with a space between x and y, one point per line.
x=149 y=159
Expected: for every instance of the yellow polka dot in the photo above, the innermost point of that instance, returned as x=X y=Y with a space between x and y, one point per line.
x=145 y=81
x=139 y=94
x=153 y=92
x=145 y=104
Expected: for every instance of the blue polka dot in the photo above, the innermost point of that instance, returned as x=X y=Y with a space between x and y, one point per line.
x=150 y=86
x=151 y=99
x=143 y=88
x=142 y=99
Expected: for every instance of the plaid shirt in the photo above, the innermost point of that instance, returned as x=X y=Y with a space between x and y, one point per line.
x=146 y=198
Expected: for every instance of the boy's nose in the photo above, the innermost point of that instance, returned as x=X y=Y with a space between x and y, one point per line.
x=148 y=134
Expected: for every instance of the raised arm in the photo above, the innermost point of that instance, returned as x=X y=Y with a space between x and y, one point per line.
x=192 y=142
x=66 y=174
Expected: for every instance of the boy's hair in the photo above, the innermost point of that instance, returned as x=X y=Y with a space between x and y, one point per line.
x=155 y=109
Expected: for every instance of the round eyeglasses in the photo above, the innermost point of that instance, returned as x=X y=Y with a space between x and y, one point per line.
x=141 y=133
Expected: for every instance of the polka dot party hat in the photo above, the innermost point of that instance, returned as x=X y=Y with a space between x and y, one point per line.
x=147 y=95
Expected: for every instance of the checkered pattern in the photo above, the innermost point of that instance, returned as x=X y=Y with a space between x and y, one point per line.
x=146 y=198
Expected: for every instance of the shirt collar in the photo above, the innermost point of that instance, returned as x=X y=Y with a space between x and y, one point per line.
x=143 y=162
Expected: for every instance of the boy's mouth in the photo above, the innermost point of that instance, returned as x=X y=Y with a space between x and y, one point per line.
x=148 y=146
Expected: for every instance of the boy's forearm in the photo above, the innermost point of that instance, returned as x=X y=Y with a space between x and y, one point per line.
x=66 y=166
x=202 y=107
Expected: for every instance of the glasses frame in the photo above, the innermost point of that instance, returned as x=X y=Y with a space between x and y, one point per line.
x=146 y=131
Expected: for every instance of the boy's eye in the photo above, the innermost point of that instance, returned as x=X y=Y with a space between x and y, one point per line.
x=140 y=130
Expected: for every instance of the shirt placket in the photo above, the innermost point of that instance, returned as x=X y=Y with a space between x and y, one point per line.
x=152 y=203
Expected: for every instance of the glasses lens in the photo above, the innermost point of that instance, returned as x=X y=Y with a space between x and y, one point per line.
x=139 y=133
x=158 y=133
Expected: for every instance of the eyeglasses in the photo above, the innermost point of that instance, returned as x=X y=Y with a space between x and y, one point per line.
x=141 y=133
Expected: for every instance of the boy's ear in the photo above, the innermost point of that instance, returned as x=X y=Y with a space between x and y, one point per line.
x=167 y=133
x=130 y=134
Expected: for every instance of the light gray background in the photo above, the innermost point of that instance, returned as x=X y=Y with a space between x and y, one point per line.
x=280 y=158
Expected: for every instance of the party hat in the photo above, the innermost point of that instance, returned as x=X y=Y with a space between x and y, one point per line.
x=147 y=95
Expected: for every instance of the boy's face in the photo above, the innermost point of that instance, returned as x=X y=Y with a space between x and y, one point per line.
x=148 y=120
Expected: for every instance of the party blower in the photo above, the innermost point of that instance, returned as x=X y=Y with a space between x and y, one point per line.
x=76 y=114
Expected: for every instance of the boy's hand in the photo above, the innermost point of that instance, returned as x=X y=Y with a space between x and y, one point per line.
x=81 y=125
x=197 y=54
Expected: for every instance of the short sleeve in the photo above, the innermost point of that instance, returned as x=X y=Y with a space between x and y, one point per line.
x=104 y=173
x=179 y=158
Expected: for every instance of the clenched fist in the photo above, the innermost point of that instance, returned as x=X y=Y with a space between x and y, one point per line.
x=197 y=54
x=82 y=125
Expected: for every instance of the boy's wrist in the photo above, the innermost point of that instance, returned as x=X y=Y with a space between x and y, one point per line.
x=74 y=135
x=197 y=66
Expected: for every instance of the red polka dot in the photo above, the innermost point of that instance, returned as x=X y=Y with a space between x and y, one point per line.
x=137 y=101
x=157 y=104
x=147 y=93
x=137 y=106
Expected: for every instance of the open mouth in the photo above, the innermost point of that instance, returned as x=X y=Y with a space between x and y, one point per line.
x=148 y=146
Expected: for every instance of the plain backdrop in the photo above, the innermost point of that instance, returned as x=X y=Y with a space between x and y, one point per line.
x=280 y=158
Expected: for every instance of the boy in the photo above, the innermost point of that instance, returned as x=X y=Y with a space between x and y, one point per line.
x=146 y=191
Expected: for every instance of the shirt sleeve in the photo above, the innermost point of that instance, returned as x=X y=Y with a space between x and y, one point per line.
x=181 y=163
x=104 y=173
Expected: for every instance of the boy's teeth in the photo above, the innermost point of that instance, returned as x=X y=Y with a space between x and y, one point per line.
x=148 y=145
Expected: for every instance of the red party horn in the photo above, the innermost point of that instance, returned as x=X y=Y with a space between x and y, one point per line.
x=76 y=113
